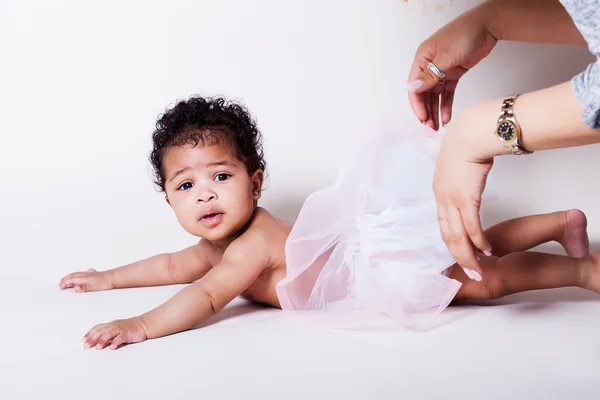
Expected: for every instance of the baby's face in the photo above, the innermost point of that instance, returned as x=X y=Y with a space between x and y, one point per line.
x=210 y=190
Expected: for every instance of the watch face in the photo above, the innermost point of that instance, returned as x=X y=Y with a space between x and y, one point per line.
x=506 y=131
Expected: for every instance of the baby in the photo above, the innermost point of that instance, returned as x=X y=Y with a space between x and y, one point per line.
x=208 y=160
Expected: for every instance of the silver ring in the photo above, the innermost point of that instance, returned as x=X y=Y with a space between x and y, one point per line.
x=432 y=67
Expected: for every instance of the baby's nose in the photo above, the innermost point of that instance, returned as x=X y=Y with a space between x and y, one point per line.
x=205 y=197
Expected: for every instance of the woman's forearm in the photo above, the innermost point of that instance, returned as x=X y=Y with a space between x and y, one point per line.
x=549 y=118
x=535 y=21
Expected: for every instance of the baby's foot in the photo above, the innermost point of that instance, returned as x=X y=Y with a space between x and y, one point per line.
x=575 y=238
x=590 y=276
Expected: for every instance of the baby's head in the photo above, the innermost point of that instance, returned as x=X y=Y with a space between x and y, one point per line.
x=208 y=159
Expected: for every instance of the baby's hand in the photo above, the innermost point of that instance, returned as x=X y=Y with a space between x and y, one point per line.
x=115 y=334
x=89 y=281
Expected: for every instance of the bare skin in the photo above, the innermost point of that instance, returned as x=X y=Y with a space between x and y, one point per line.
x=215 y=282
x=242 y=253
x=513 y=269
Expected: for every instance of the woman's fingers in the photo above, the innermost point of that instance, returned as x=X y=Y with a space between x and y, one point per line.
x=435 y=104
x=460 y=245
x=417 y=103
x=446 y=101
x=472 y=224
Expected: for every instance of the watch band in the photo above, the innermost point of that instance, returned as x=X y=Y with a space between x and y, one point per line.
x=507 y=114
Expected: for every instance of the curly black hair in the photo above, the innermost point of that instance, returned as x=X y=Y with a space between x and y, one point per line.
x=207 y=121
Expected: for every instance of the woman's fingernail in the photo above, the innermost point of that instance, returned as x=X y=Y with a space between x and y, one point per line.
x=477 y=276
x=487 y=253
x=472 y=274
x=413 y=86
x=468 y=272
x=86 y=345
x=84 y=339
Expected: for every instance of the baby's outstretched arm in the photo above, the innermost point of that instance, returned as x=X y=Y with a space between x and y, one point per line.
x=243 y=261
x=184 y=266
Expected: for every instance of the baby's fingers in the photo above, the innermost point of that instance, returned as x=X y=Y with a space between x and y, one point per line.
x=74 y=279
x=65 y=281
x=107 y=336
x=118 y=341
x=81 y=287
x=70 y=280
x=91 y=338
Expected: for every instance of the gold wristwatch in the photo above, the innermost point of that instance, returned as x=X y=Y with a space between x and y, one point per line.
x=508 y=129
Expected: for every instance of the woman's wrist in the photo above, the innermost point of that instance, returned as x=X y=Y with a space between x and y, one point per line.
x=549 y=118
x=475 y=127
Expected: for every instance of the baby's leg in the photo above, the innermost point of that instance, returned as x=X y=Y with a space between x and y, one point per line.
x=520 y=234
x=523 y=271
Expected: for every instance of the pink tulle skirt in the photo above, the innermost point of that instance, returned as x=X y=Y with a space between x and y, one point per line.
x=370 y=244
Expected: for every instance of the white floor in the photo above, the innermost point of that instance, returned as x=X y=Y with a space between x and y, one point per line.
x=539 y=345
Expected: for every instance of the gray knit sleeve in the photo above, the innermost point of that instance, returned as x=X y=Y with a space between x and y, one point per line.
x=586 y=15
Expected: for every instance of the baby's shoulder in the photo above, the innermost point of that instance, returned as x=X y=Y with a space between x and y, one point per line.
x=265 y=224
x=265 y=233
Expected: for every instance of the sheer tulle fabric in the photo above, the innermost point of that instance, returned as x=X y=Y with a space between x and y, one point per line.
x=371 y=242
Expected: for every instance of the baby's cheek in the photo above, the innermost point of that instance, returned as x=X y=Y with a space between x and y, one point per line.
x=185 y=218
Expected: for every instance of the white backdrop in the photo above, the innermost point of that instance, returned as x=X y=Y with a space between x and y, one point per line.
x=82 y=83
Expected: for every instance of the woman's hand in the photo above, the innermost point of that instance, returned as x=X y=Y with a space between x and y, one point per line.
x=470 y=145
x=454 y=49
x=458 y=183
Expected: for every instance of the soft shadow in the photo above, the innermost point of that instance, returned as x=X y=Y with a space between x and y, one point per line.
x=595 y=247
x=570 y=295
x=539 y=298
x=524 y=307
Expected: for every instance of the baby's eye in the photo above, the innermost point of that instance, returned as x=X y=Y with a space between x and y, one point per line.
x=222 y=177
x=185 y=186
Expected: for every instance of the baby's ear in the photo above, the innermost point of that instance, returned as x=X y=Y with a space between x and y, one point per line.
x=257 y=180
